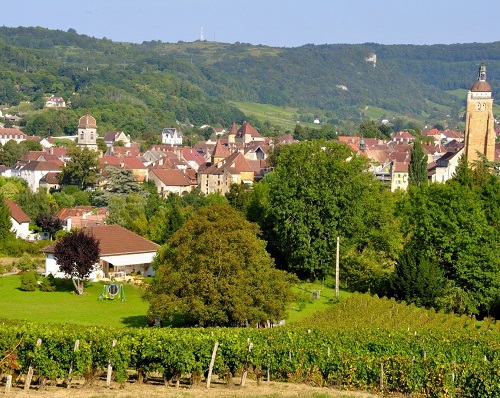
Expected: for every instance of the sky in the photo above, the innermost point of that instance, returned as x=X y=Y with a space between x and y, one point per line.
x=277 y=23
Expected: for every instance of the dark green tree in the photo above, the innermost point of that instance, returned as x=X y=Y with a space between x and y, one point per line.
x=215 y=271
x=319 y=190
x=417 y=169
x=82 y=167
x=417 y=279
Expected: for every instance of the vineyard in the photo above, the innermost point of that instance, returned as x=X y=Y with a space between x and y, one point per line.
x=436 y=363
x=363 y=310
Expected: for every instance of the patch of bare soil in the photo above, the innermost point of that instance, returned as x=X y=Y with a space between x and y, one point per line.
x=149 y=390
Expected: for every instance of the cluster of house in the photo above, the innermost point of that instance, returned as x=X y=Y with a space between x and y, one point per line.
x=238 y=157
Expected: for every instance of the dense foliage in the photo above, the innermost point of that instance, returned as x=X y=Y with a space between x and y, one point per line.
x=140 y=88
x=433 y=363
x=215 y=271
x=76 y=254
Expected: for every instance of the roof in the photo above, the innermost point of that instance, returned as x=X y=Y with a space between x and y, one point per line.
x=247 y=128
x=87 y=121
x=115 y=240
x=43 y=165
x=481 y=86
x=16 y=212
x=171 y=177
x=400 y=167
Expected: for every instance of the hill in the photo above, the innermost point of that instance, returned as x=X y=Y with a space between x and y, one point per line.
x=140 y=87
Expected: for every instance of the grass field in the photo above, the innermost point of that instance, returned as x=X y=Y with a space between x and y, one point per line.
x=63 y=306
x=281 y=116
x=306 y=305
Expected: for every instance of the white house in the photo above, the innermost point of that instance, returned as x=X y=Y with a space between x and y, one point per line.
x=171 y=136
x=121 y=253
x=19 y=219
x=32 y=172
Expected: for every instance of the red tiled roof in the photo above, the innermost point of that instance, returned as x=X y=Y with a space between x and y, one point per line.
x=247 y=128
x=16 y=212
x=87 y=121
x=116 y=240
x=171 y=177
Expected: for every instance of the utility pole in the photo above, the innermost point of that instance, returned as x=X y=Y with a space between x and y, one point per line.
x=337 y=268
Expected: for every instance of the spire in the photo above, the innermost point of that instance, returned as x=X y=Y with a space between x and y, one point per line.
x=482 y=72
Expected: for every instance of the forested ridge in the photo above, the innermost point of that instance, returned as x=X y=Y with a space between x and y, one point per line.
x=141 y=87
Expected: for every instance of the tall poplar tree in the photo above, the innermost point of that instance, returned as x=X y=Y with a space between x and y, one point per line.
x=417 y=170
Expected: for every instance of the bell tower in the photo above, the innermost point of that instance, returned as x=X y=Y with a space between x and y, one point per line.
x=87 y=132
x=479 y=121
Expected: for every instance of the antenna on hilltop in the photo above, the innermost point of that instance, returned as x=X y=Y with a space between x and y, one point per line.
x=202 y=38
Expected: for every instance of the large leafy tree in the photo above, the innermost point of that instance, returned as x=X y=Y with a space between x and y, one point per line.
x=82 y=169
x=115 y=181
x=215 y=271
x=319 y=190
x=449 y=225
x=76 y=254
x=417 y=169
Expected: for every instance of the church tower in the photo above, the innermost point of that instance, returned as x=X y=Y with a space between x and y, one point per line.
x=479 y=121
x=87 y=132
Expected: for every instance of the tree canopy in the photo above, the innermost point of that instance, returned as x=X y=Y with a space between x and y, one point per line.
x=319 y=190
x=82 y=168
x=215 y=271
x=417 y=169
x=76 y=254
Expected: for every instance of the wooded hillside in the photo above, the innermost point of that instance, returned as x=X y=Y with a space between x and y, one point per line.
x=140 y=87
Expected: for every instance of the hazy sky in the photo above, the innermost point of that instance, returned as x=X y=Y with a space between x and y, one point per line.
x=281 y=23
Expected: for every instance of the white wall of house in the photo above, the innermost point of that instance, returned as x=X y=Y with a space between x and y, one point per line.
x=51 y=267
x=21 y=230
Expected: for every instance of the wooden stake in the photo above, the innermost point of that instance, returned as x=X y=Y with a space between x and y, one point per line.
x=77 y=344
x=31 y=369
x=337 y=278
x=212 y=361
x=8 y=383
x=245 y=370
x=110 y=369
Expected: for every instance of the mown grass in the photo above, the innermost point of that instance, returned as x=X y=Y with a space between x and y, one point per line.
x=306 y=305
x=63 y=306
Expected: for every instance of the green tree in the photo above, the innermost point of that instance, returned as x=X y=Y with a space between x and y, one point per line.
x=115 y=182
x=82 y=167
x=318 y=191
x=129 y=211
x=5 y=222
x=418 y=279
x=215 y=271
x=76 y=254
x=449 y=225
x=417 y=169
x=35 y=203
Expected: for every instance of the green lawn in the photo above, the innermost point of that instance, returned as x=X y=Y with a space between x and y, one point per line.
x=306 y=305
x=63 y=306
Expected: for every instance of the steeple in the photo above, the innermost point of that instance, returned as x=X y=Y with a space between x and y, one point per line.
x=482 y=72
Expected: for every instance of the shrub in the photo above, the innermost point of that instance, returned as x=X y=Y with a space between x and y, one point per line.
x=26 y=263
x=48 y=284
x=28 y=281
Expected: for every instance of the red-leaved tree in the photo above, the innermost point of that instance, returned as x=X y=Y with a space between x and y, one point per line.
x=76 y=255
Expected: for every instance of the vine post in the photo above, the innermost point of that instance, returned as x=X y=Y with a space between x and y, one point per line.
x=77 y=344
x=245 y=370
x=110 y=368
x=31 y=369
x=8 y=384
x=212 y=361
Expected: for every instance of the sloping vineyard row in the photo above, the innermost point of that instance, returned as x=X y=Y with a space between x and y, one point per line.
x=363 y=310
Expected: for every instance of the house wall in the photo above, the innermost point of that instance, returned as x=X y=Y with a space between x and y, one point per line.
x=22 y=230
x=51 y=267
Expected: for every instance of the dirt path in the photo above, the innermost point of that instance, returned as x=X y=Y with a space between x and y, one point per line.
x=132 y=390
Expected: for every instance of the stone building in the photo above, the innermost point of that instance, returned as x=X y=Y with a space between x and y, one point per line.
x=479 y=120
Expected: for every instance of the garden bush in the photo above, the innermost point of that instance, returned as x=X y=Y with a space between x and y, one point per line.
x=48 y=284
x=28 y=281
